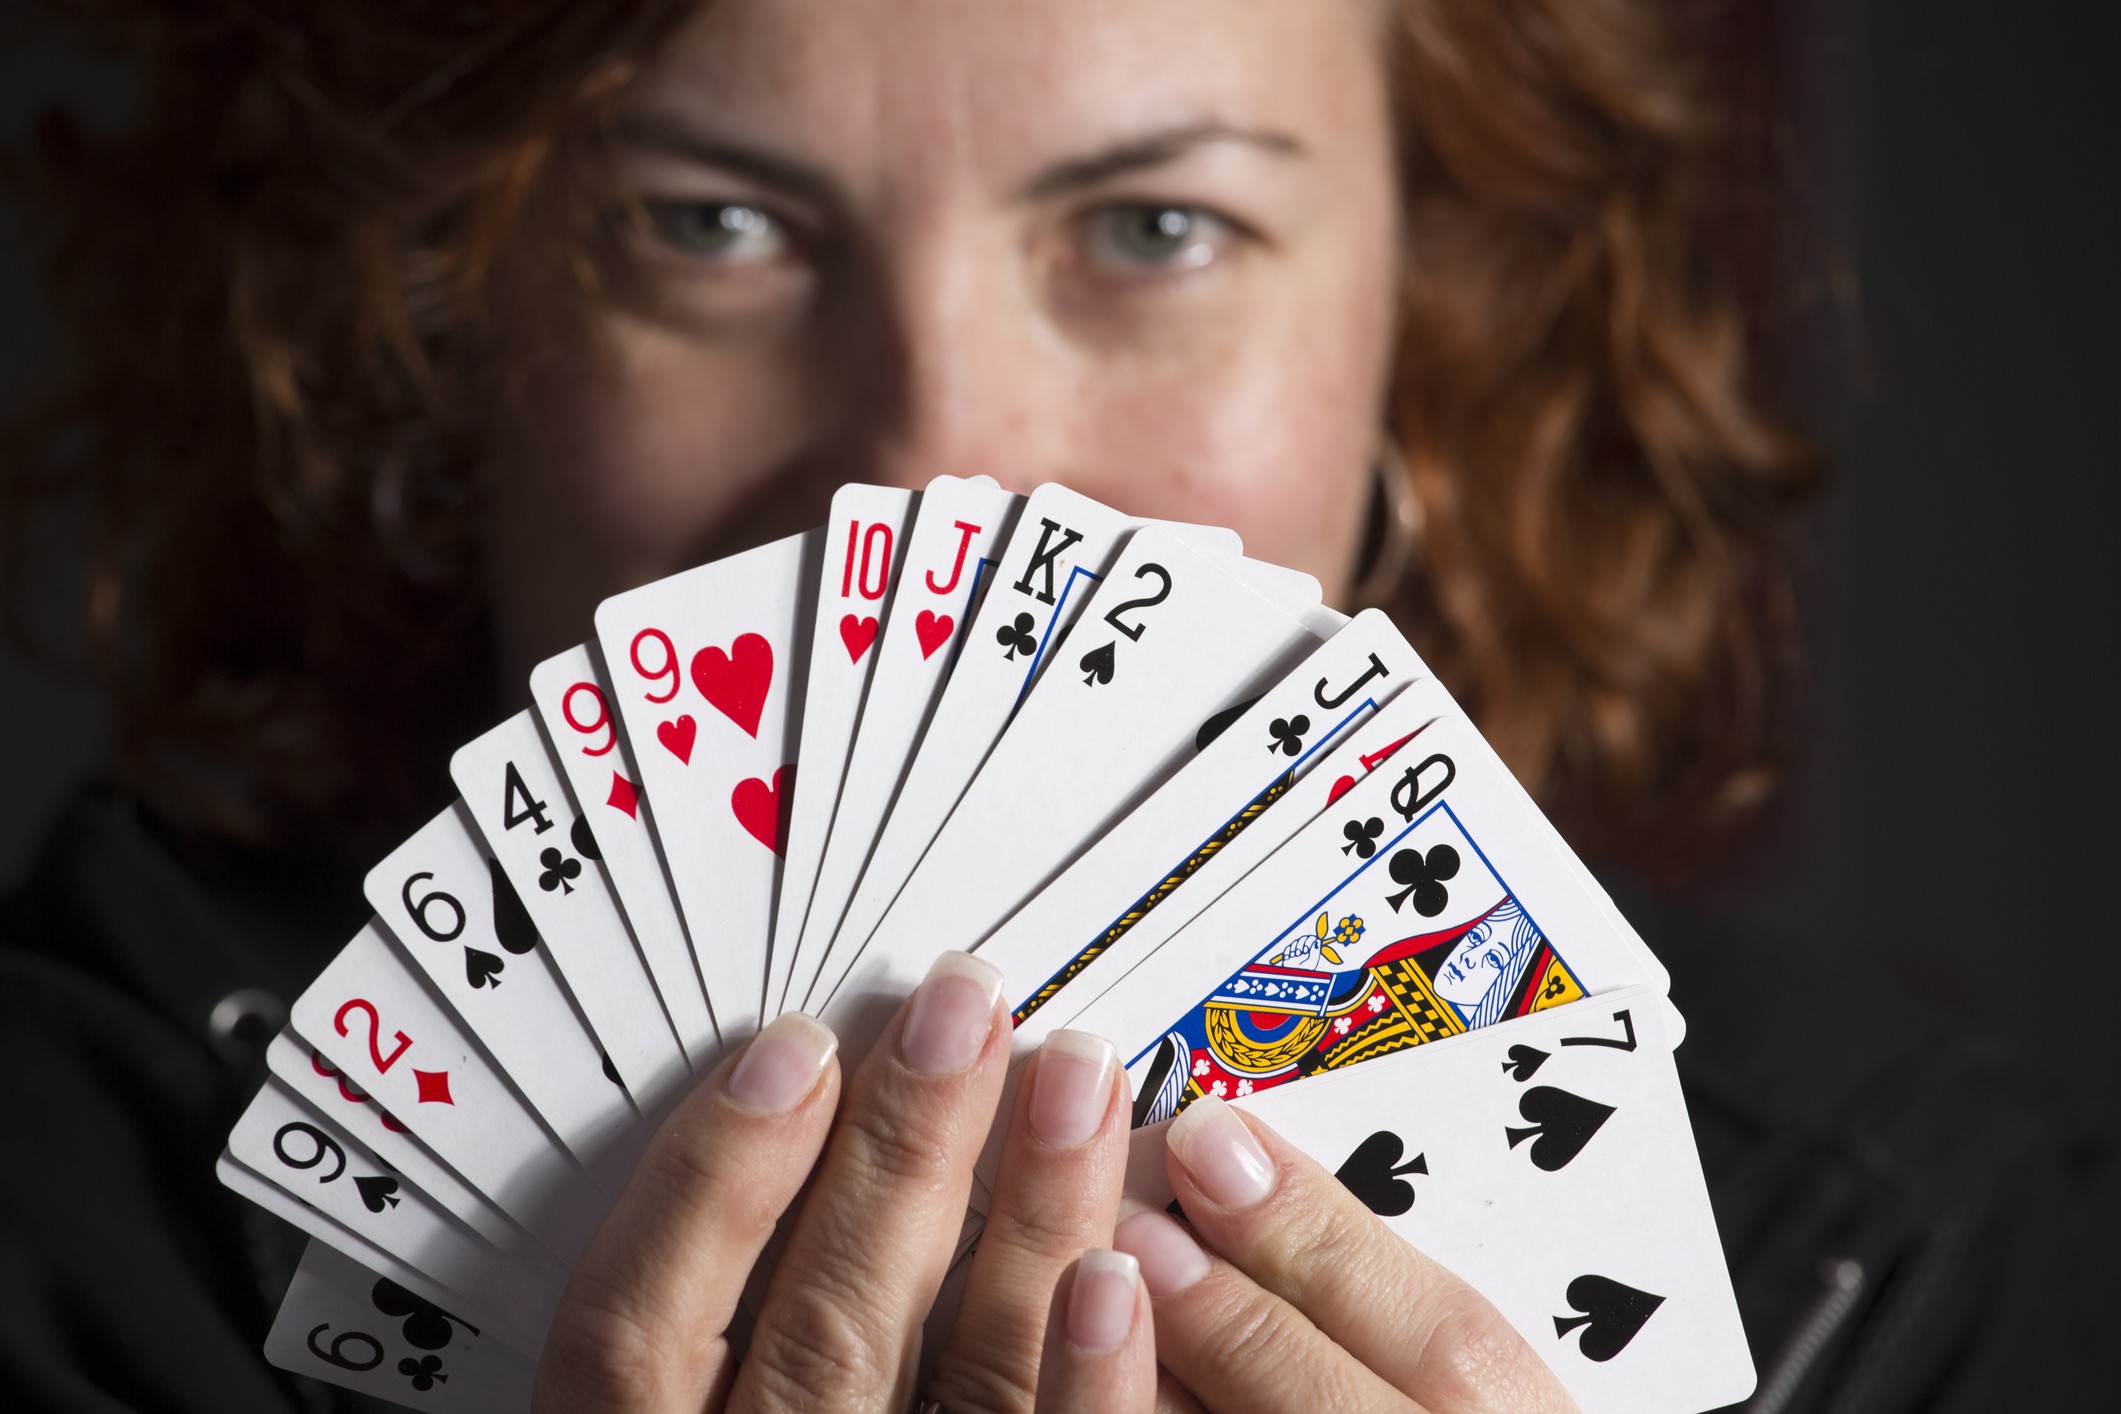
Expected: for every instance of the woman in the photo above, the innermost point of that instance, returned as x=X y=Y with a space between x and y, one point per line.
x=449 y=321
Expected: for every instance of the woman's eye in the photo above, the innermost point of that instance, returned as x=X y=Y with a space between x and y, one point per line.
x=1140 y=237
x=729 y=233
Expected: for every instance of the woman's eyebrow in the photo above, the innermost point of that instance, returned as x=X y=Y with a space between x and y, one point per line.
x=1152 y=150
x=768 y=169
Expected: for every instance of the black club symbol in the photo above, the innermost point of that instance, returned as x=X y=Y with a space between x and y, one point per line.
x=1288 y=734
x=1424 y=877
x=1362 y=836
x=1016 y=636
x=560 y=871
x=425 y=1372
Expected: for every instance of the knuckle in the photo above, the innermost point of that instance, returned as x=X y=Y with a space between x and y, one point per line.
x=602 y=1355
x=689 y=1166
x=976 y=1381
x=1055 y=1231
x=815 y=1349
x=904 y=1143
x=1314 y=1249
x=1473 y=1355
x=1241 y=1344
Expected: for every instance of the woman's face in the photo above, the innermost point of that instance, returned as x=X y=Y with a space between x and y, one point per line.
x=1146 y=249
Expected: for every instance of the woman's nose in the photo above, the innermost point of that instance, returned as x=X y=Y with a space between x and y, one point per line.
x=976 y=384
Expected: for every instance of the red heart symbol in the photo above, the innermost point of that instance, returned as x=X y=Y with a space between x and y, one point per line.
x=857 y=634
x=677 y=736
x=760 y=808
x=735 y=683
x=1340 y=788
x=933 y=630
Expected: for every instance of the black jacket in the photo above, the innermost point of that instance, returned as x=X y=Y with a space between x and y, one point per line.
x=1904 y=1218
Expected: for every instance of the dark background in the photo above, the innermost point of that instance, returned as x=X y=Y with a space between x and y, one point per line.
x=1951 y=175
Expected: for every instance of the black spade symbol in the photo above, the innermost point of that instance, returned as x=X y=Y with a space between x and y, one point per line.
x=1361 y=836
x=424 y=1372
x=512 y=927
x=611 y=1072
x=1564 y=1123
x=1216 y=725
x=560 y=871
x=377 y=1192
x=427 y=1326
x=482 y=969
x=1612 y=1314
x=1372 y=1174
x=1096 y=665
x=1016 y=636
x=1288 y=734
x=1524 y=1061
x=585 y=842
x=1424 y=876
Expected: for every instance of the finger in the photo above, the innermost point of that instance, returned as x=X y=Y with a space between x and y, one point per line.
x=1238 y=1348
x=1296 y=1230
x=1100 y=1346
x=840 y=1325
x=641 y=1327
x=1056 y=1194
x=1173 y=1397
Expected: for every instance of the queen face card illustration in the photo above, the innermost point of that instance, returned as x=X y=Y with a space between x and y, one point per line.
x=707 y=671
x=1548 y=1161
x=1427 y=902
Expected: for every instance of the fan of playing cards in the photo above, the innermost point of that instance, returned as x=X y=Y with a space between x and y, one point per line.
x=1177 y=801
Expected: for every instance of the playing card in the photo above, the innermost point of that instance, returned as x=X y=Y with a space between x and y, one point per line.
x=304 y=1071
x=533 y=828
x=345 y=1325
x=1167 y=640
x=571 y=692
x=950 y=556
x=865 y=538
x=454 y=910
x=1549 y=1162
x=1057 y=553
x=1430 y=900
x=1249 y=758
x=245 y=1184
x=375 y=1019
x=321 y=1165
x=706 y=669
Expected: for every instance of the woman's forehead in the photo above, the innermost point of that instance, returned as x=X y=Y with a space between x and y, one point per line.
x=1006 y=88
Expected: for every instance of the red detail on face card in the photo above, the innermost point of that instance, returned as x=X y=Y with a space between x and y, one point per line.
x=763 y=810
x=933 y=630
x=390 y=1123
x=434 y=1087
x=857 y=634
x=735 y=683
x=625 y=795
x=1340 y=788
x=677 y=738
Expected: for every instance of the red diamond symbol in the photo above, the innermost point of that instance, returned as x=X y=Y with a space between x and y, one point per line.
x=624 y=795
x=434 y=1087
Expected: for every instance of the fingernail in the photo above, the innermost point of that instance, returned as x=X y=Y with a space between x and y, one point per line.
x=1071 y=1091
x=1101 y=1307
x=782 y=1064
x=1170 y=1259
x=1219 y=1151
x=952 y=1014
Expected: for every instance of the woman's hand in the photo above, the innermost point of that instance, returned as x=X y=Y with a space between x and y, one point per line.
x=1296 y=1296
x=643 y=1326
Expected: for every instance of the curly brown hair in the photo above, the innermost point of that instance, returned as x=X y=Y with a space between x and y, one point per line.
x=286 y=369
